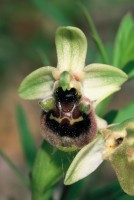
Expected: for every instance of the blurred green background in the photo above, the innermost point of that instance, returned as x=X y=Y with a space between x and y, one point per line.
x=27 y=31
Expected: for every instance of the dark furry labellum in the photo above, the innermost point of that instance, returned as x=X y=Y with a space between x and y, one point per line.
x=67 y=125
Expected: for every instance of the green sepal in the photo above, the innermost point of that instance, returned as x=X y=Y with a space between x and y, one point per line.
x=38 y=84
x=101 y=80
x=71 y=45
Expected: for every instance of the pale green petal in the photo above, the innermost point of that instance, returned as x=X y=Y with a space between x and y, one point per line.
x=71 y=45
x=122 y=156
x=38 y=84
x=101 y=80
x=85 y=162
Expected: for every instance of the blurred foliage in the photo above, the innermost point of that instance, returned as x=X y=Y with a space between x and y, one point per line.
x=27 y=141
x=27 y=27
x=124 y=45
x=15 y=169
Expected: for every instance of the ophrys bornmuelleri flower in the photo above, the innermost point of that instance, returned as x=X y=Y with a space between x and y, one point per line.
x=115 y=143
x=70 y=92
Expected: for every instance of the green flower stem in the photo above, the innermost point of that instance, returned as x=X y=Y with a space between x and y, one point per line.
x=14 y=169
x=95 y=35
x=49 y=167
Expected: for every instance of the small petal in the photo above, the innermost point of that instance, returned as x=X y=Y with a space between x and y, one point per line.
x=71 y=45
x=101 y=123
x=101 y=81
x=47 y=104
x=38 y=84
x=85 y=162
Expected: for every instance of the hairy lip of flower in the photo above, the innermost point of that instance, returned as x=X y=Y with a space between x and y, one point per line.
x=69 y=128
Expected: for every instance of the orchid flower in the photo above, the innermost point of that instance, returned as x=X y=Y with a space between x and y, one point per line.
x=115 y=144
x=70 y=92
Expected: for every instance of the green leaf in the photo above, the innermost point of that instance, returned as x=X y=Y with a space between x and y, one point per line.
x=71 y=45
x=126 y=197
x=49 y=194
x=15 y=169
x=110 y=116
x=95 y=34
x=101 y=81
x=124 y=43
x=102 y=107
x=38 y=84
x=125 y=113
x=129 y=69
x=85 y=162
x=49 y=167
x=75 y=187
x=107 y=192
x=28 y=144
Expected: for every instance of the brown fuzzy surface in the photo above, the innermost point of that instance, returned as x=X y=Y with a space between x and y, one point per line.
x=65 y=141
